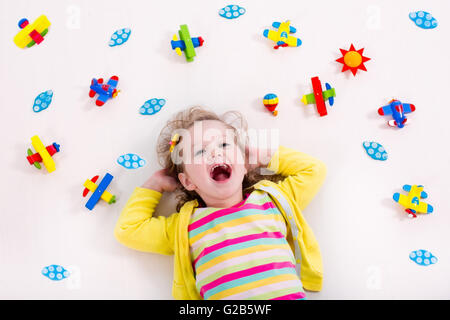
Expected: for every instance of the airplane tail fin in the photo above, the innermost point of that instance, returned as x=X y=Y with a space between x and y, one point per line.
x=174 y=45
x=411 y=213
x=392 y=123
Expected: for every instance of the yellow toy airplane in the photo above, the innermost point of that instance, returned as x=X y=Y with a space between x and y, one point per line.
x=33 y=33
x=43 y=154
x=412 y=201
x=281 y=36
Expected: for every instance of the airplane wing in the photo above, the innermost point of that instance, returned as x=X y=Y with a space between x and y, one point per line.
x=401 y=199
x=293 y=41
x=423 y=207
x=189 y=50
x=272 y=35
x=407 y=108
x=46 y=157
x=292 y=29
x=101 y=99
x=320 y=103
x=404 y=201
x=113 y=81
x=385 y=111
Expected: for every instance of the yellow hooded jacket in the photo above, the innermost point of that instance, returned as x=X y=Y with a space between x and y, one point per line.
x=138 y=229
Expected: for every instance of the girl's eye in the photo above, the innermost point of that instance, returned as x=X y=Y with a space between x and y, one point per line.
x=199 y=152
x=224 y=145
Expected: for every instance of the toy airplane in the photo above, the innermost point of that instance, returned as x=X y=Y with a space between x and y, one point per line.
x=186 y=43
x=99 y=192
x=319 y=97
x=397 y=110
x=104 y=91
x=412 y=201
x=281 y=36
x=31 y=34
x=43 y=154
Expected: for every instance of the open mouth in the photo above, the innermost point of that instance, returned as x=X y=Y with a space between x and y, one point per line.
x=220 y=172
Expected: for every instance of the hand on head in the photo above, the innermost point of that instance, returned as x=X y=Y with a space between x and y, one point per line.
x=161 y=182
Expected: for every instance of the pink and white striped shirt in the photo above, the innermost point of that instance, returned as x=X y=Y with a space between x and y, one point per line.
x=241 y=252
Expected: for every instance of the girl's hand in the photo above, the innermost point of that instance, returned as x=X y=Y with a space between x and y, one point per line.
x=255 y=157
x=161 y=182
x=251 y=158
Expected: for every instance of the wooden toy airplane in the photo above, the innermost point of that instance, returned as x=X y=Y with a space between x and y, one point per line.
x=186 y=43
x=43 y=154
x=281 y=36
x=319 y=97
x=397 y=109
x=31 y=34
x=412 y=201
x=99 y=192
x=104 y=91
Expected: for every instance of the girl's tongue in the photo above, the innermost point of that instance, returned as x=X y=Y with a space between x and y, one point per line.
x=220 y=173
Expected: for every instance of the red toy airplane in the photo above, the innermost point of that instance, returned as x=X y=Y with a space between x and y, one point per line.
x=319 y=97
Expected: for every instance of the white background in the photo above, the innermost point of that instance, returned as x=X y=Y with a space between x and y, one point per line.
x=365 y=237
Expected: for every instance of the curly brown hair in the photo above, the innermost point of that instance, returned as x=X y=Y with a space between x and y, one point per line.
x=183 y=120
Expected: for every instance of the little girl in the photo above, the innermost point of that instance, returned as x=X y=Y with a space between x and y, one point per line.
x=236 y=234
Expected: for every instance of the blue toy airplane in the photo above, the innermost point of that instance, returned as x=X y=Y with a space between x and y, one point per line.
x=98 y=191
x=281 y=36
x=397 y=110
x=104 y=91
